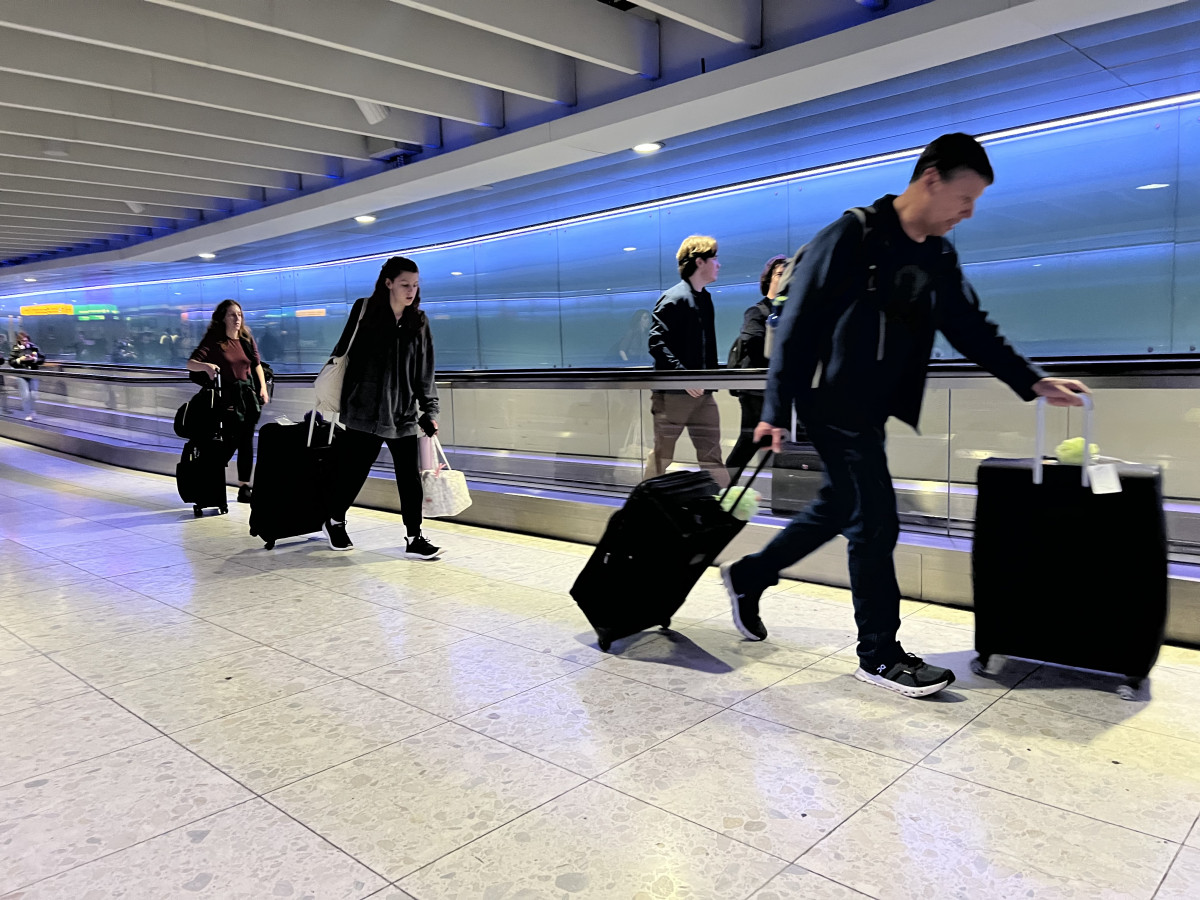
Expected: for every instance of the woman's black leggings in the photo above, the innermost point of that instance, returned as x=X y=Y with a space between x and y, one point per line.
x=239 y=439
x=358 y=453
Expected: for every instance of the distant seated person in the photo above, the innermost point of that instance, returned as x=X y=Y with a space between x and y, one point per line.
x=228 y=349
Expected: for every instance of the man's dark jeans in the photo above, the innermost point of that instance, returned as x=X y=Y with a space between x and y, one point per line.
x=856 y=500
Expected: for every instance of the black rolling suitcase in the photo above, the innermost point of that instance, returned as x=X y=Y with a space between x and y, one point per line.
x=200 y=475
x=797 y=473
x=654 y=550
x=1104 y=608
x=292 y=479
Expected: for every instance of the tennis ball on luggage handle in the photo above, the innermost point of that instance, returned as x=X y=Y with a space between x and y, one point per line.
x=1070 y=451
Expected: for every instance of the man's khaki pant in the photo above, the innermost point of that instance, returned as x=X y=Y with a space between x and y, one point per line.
x=672 y=413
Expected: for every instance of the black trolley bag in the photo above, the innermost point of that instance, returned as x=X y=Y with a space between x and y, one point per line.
x=654 y=550
x=200 y=473
x=292 y=479
x=1105 y=609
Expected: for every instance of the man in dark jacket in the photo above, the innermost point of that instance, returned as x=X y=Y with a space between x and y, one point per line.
x=683 y=336
x=851 y=350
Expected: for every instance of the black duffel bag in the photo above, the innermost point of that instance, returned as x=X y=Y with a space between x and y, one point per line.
x=200 y=418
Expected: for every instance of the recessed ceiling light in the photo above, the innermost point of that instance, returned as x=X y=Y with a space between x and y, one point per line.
x=31 y=280
x=648 y=147
x=1151 y=187
x=629 y=249
x=364 y=220
x=456 y=273
x=207 y=255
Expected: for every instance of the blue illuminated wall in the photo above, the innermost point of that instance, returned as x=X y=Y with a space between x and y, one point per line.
x=1088 y=243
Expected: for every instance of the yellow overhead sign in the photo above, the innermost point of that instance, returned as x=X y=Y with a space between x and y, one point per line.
x=48 y=309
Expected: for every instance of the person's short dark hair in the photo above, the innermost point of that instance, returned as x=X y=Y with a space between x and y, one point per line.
x=950 y=154
x=764 y=280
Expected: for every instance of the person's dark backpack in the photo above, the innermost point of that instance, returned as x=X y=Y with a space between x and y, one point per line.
x=738 y=357
x=866 y=216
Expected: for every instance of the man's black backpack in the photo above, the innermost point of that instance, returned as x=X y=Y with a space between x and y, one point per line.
x=866 y=216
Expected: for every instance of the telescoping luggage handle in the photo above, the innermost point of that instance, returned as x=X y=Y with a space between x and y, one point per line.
x=312 y=421
x=1040 y=447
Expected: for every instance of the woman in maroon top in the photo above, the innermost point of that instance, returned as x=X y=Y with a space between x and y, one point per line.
x=228 y=348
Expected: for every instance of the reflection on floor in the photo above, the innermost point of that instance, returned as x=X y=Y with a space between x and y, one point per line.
x=184 y=714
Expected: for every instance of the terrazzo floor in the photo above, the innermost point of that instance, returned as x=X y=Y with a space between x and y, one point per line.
x=184 y=714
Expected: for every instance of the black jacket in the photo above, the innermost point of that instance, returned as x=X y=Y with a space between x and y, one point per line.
x=390 y=371
x=846 y=355
x=754 y=341
x=683 y=332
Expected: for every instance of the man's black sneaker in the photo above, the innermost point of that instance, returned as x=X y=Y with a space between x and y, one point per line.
x=745 y=607
x=420 y=548
x=910 y=676
x=335 y=533
x=245 y=493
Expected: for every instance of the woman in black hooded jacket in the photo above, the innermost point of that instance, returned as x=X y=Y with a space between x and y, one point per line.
x=388 y=393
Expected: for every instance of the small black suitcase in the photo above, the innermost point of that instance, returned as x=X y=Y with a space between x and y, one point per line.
x=654 y=550
x=797 y=474
x=200 y=475
x=291 y=480
x=1103 y=608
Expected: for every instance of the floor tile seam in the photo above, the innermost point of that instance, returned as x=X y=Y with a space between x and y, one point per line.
x=754 y=693
x=298 y=634
x=720 y=834
x=225 y=715
x=137 y=843
x=824 y=737
x=390 y=662
x=75 y=612
x=1016 y=698
x=113 y=684
x=1167 y=872
x=1071 y=812
x=383 y=746
x=87 y=688
x=49 y=551
x=123 y=634
x=479 y=837
x=1011 y=697
x=81 y=761
x=586 y=665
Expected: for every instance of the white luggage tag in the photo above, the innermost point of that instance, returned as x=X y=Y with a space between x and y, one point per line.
x=1105 y=479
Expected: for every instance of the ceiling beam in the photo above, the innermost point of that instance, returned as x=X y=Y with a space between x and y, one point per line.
x=54 y=233
x=147 y=197
x=20 y=147
x=61 y=127
x=383 y=31
x=583 y=29
x=11 y=211
x=61 y=59
x=152 y=42
x=176 y=114
x=76 y=172
x=736 y=21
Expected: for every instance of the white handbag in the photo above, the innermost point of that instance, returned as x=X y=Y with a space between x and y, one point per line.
x=329 y=381
x=445 y=489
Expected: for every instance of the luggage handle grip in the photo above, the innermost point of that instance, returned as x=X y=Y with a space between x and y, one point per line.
x=1040 y=445
x=312 y=421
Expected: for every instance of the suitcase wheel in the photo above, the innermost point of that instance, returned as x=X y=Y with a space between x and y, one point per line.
x=197 y=511
x=1131 y=688
x=269 y=545
x=666 y=625
x=989 y=665
x=603 y=639
x=224 y=510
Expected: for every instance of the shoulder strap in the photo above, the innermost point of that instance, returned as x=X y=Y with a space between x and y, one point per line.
x=361 y=313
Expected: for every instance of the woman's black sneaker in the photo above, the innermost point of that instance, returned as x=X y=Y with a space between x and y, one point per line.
x=745 y=607
x=245 y=493
x=910 y=676
x=420 y=548
x=335 y=533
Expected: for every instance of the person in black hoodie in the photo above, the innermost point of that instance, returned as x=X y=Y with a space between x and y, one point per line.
x=750 y=350
x=865 y=299
x=388 y=393
x=683 y=336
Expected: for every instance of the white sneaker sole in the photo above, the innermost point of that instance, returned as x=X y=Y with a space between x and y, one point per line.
x=864 y=675
x=727 y=580
x=408 y=555
x=329 y=540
